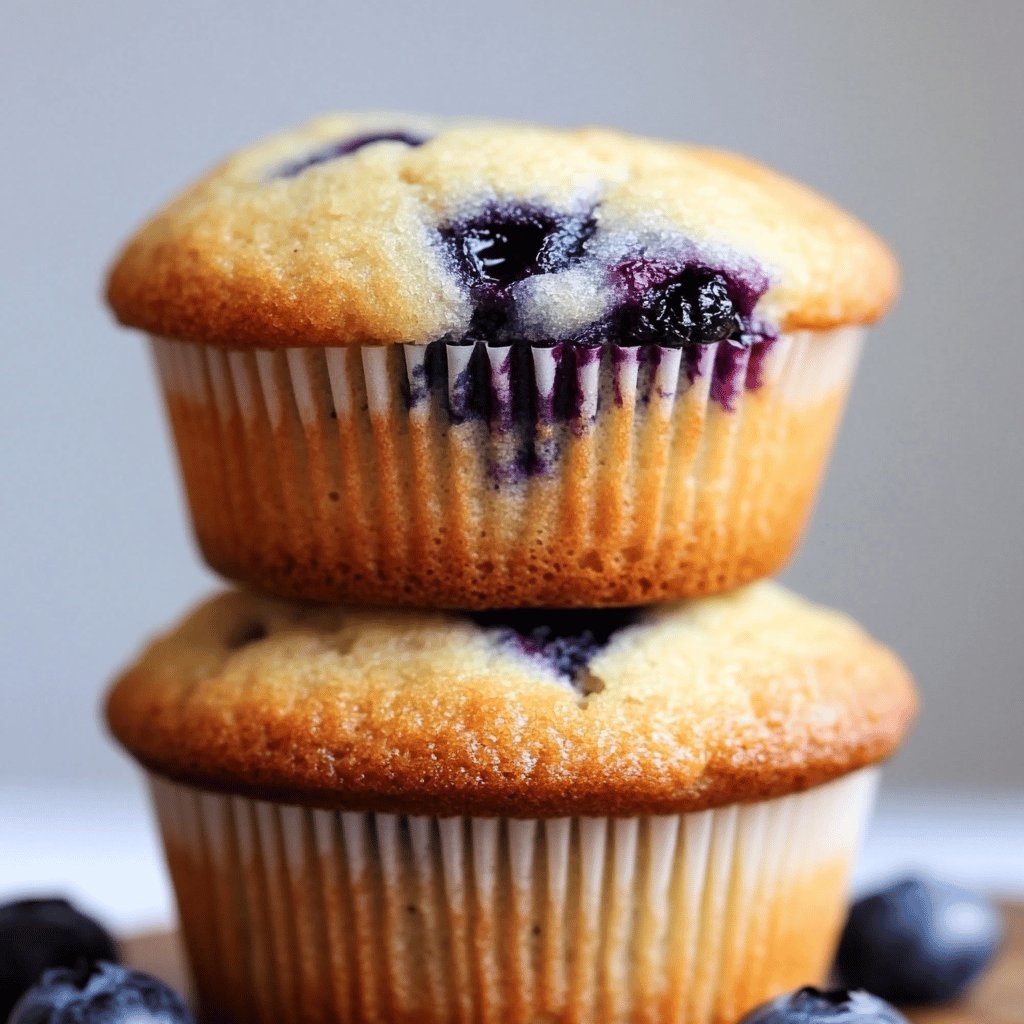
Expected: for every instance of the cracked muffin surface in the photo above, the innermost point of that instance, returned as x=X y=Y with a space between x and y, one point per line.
x=381 y=229
x=668 y=709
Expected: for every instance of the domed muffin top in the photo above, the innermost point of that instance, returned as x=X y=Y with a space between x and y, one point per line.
x=383 y=229
x=524 y=713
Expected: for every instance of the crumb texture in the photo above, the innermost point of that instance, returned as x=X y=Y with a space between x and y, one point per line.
x=382 y=229
x=686 y=706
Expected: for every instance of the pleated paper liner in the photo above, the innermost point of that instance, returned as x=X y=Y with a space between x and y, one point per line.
x=474 y=476
x=298 y=915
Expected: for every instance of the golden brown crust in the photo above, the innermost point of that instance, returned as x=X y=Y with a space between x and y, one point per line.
x=747 y=696
x=345 y=252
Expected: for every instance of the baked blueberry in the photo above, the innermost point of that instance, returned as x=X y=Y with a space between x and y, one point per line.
x=38 y=934
x=693 y=306
x=507 y=243
x=686 y=302
x=918 y=940
x=566 y=654
x=100 y=993
x=812 y=1006
x=345 y=147
x=567 y=639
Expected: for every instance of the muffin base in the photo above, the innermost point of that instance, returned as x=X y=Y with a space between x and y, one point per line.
x=324 y=474
x=298 y=915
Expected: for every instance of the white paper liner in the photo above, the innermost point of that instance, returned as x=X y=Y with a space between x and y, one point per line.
x=292 y=914
x=311 y=473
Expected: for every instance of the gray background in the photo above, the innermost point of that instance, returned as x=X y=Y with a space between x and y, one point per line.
x=908 y=113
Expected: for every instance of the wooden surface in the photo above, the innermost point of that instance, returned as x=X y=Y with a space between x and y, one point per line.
x=997 y=999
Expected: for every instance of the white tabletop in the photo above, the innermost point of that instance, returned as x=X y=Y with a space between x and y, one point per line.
x=100 y=848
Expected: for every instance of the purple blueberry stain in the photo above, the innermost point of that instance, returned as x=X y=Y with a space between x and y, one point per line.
x=502 y=407
x=584 y=356
x=505 y=243
x=416 y=384
x=520 y=372
x=345 y=147
x=566 y=640
x=504 y=392
x=758 y=354
x=548 y=399
x=685 y=302
x=729 y=375
x=621 y=359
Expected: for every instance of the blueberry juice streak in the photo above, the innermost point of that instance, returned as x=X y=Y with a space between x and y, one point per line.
x=521 y=388
x=693 y=306
x=344 y=147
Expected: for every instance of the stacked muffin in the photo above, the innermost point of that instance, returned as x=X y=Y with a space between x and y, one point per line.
x=497 y=425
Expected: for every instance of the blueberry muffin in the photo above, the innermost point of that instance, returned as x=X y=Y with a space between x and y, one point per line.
x=483 y=365
x=523 y=816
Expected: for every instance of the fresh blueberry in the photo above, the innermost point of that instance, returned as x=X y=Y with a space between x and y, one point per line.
x=345 y=147
x=100 y=993
x=918 y=941
x=812 y=1006
x=567 y=639
x=41 y=933
x=504 y=244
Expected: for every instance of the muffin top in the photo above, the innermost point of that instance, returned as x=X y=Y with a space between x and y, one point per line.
x=383 y=229
x=524 y=713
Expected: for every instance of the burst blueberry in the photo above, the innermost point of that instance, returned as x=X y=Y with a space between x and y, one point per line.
x=812 y=1006
x=919 y=941
x=508 y=243
x=346 y=147
x=100 y=993
x=693 y=307
x=567 y=655
x=713 y=309
x=37 y=934
x=567 y=639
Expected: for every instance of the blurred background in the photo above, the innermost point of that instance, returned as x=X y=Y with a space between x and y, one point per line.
x=908 y=114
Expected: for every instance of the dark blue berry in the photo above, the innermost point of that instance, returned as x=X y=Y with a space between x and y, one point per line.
x=693 y=307
x=713 y=310
x=100 y=993
x=674 y=302
x=345 y=147
x=505 y=244
x=918 y=941
x=567 y=639
x=41 y=933
x=566 y=654
x=666 y=314
x=812 y=1006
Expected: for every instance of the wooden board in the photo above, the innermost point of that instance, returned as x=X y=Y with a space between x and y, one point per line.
x=997 y=999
